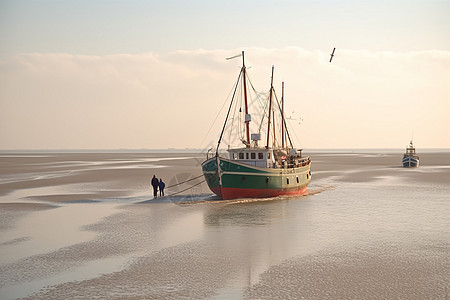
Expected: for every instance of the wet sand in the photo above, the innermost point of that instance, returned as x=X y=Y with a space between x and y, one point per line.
x=89 y=175
x=86 y=226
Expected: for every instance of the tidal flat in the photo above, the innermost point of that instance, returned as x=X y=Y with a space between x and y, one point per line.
x=85 y=225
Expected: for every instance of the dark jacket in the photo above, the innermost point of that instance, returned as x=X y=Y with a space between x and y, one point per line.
x=155 y=182
x=162 y=185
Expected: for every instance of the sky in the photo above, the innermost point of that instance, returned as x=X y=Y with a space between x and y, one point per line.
x=152 y=74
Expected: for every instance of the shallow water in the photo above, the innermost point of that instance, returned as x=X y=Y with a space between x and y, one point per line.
x=371 y=232
x=51 y=229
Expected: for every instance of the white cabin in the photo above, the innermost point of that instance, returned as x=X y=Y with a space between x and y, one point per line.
x=269 y=158
x=258 y=157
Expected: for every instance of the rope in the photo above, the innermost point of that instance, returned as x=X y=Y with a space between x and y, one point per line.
x=187 y=188
x=180 y=183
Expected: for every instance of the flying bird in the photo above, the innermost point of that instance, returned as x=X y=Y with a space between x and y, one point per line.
x=332 y=54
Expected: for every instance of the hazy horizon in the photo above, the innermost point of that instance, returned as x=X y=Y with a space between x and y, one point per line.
x=203 y=151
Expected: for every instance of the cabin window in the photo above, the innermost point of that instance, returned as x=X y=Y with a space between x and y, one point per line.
x=268 y=155
x=287 y=180
x=246 y=155
x=298 y=180
x=234 y=155
x=253 y=155
x=260 y=156
x=307 y=176
x=241 y=155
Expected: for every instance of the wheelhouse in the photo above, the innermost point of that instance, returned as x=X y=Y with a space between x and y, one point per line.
x=269 y=158
x=258 y=157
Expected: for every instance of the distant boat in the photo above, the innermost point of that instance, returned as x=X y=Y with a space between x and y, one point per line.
x=255 y=171
x=410 y=159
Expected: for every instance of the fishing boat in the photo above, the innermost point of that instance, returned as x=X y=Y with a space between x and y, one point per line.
x=410 y=159
x=253 y=169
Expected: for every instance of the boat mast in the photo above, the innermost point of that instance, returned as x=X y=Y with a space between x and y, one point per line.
x=270 y=109
x=247 y=116
x=282 y=115
x=274 y=131
x=286 y=135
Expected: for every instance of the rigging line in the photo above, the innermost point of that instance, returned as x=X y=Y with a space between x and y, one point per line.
x=238 y=103
x=233 y=118
x=230 y=127
x=226 y=100
x=289 y=136
x=264 y=114
x=275 y=122
x=259 y=95
x=180 y=183
x=298 y=140
x=263 y=105
x=287 y=131
x=261 y=101
x=242 y=125
x=281 y=122
x=187 y=188
x=225 y=123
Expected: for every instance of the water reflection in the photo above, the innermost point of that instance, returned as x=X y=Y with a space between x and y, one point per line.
x=48 y=230
x=256 y=235
x=255 y=213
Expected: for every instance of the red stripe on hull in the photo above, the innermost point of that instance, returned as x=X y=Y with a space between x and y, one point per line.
x=234 y=193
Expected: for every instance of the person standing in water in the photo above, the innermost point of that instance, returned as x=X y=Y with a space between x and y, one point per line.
x=162 y=185
x=155 y=184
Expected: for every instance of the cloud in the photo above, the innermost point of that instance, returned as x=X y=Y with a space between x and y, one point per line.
x=361 y=99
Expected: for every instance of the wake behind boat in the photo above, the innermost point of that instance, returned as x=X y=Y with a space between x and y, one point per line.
x=410 y=159
x=253 y=171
